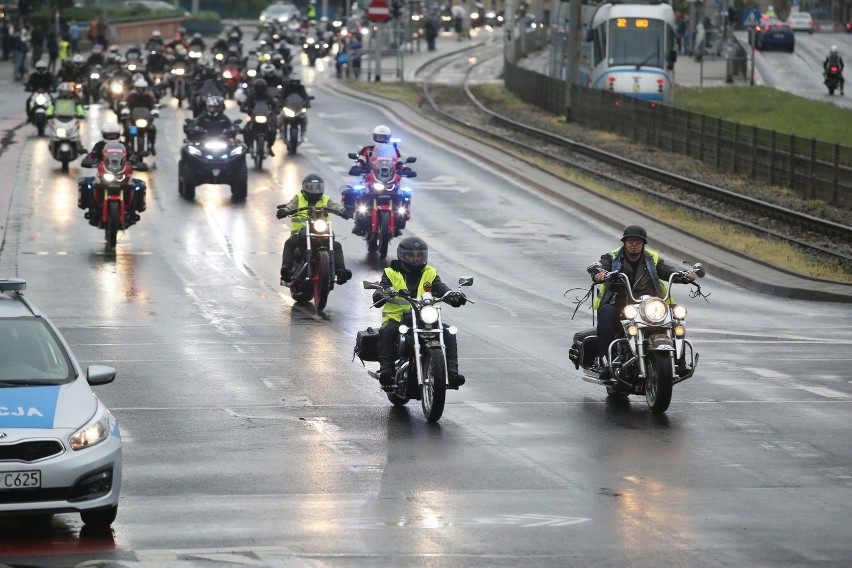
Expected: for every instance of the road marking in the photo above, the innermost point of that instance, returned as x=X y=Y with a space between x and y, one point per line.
x=443 y=183
x=826 y=392
x=513 y=229
x=483 y=407
x=786 y=380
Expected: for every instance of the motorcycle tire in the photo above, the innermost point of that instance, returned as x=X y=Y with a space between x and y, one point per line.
x=186 y=188
x=113 y=224
x=659 y=382
x=322 y=279
x=384 y=234
x=434 y=387
x=293 y=141
x=239 y=188
x=259 y=151
x=64 y=166
x=40 y=129
x=397 y=400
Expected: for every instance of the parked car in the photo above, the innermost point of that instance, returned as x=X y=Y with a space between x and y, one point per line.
x=801 y=22
x=772 y=34
x=60 y=447
x=280 y=12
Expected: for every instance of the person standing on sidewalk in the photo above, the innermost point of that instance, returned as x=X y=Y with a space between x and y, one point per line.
x=37 y=43
x=430 y=29
x=74 y=35
x=19 y=53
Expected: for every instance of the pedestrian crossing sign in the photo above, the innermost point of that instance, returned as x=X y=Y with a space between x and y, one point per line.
x=751 y=19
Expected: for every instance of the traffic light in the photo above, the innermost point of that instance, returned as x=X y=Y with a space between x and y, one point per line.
x=396 y=9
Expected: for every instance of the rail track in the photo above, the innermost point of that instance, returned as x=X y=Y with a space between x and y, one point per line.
x=822 y=237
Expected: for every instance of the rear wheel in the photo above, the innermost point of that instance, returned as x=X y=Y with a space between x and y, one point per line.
x=113 y=223
x=322 y=278
x=384 y=233
x=434 y=385
x=658 y=383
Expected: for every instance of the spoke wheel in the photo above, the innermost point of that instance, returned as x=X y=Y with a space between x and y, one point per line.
x=434 y=385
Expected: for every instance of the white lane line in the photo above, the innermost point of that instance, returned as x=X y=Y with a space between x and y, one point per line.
x=788 y=381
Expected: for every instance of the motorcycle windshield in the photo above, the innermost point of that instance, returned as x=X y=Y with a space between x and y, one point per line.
x=383 y=168
x=115 y=157
x=260 y=109
x=140 y=112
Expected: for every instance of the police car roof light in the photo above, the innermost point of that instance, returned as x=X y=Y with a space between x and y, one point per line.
x=12 y=285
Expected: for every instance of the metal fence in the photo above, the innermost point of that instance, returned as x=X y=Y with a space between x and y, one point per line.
x=812 y=168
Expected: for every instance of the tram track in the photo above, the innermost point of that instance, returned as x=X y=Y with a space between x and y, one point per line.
x=460 y=105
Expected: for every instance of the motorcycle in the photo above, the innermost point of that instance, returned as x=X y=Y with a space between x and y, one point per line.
x=138 y=124
x=64 y=139
x=177 y=80
x=382 y=206
x=421 y=366
x=832 y=79
x=231 y=80
x=650 y=354
x=115 y=89
x=294 y=121
x=158 y=84
x=314 y=275
x=260 y=126
x=313 y=48
x=217 y=160
x=112 y=198
x=39 y=102
x=93 y=84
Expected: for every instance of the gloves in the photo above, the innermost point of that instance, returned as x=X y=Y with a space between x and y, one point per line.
x=347 y=213
x=281 y=213
x=457 y=299
x=380 y=299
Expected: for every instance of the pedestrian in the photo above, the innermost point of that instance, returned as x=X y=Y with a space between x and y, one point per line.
x=341 y=62
x=93 y=32
x=37 y=43
x=52 y=46
x=700 y=39
x=687 y=36
x=680 y=26
x=6 y=33
x=64 y=47
x=74 y=35
x=355 y=55
x=103 y=33
x=430 y=29
x=19 y=54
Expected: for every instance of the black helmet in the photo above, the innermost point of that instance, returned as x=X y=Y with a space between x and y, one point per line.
x=260 y=87
x=215 y=105
x=313 y=187
x=412 y=253
x=635 y=231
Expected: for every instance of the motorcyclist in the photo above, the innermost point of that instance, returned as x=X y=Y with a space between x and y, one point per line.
x=212 y=122
x=221 y=44
x=39 y=80
x=141 y=96
x=260 y=93
x=197 y=43
x=66 y=103
x=381 y=135
x=110 y=132
x=411 y=272
x=313 y=188
x=71 y=70
x=647 y=273
x=834 y=59
x=155 y=42
x=96 y=57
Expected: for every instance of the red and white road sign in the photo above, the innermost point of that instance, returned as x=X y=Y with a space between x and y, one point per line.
x=378 y=11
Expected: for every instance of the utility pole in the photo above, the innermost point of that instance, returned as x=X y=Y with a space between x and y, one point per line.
x=575 y=29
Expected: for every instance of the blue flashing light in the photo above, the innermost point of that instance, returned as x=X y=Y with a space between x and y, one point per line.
x=12 y=285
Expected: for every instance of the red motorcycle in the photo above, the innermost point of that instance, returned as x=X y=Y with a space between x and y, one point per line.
x=231 y=79
x=382 y=205
x=112 y=198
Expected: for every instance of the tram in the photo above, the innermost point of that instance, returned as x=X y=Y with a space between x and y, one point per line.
x=631 y=49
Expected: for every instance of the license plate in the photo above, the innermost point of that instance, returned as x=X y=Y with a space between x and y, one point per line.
x=779 y=35
x=20 y=480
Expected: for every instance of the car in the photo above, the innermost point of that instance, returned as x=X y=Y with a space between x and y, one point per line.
x=280 y=12
x=60 y=446
x=772 y=34
x=801 y=22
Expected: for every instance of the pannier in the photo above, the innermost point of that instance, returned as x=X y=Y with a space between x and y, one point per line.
x=367 y=344
x=584 y=350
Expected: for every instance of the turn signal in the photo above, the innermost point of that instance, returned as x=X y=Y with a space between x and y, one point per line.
x=680 y=331
x=632 y=330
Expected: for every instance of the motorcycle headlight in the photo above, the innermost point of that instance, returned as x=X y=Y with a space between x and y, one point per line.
x=95 y=432
x=429 y=315
x=61 y=133
x=653 y=310
x=362 y=209
x=178 y=71
x=679 y=312
x=131 y=67
x=260 y=120
x=289 y=113
x=219 y=57
x=95 y=76
x=116 y=88
x=378 y=186
x=141 y=123
x=320 y=226
x=630 y=312
x=215 y=146
x=109 y=177
x=401 y=210
x=304 y=110
x=226 y=74
x=251 y=72
x=40 y=99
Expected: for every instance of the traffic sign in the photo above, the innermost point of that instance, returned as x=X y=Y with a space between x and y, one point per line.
x=378 y=11
x=751 y=19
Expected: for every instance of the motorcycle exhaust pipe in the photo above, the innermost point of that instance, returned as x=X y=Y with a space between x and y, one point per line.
x=87 y=215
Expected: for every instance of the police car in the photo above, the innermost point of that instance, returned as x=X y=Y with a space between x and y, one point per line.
x=60 y=447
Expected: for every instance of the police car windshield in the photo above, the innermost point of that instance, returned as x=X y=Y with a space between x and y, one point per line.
x=30 y=353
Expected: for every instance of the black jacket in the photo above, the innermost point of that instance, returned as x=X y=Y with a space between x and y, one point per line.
x=640 y=279
x=412 y=282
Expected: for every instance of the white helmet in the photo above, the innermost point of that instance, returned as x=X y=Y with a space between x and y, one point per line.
x=78 y=59
x=156 y=33
x=141 y=85
x=381 y=134
x=110 y=131
x=834 y=49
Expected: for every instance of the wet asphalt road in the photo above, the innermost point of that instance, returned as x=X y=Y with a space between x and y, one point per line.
x=252 y=438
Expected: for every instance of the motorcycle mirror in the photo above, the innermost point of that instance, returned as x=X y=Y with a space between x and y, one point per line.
x=410 y=160
x=371 y=285
x=352 y=156
x=594 y=268
x=468 y=281
x=699 y=269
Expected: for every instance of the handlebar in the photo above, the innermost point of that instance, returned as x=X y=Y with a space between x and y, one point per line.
x=680 y=277
x=417 y=303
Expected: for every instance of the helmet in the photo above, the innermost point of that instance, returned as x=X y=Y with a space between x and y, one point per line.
x=65 y=90
x=141 y=85
x=412 y=253
x=215 y=105
x=110 y=131
x=381 y=134
x=196 y=35
x=156 y=33
x=312 y=187
x=41 y=65
x=267 y=69
x=834 y=49
x=635 y=231
x=260 y=87
x=78 y=59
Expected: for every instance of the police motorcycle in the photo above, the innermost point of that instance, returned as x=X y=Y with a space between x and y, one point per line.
x=212 y=159
x=138 y=124
x=259 y=128
x=650 y=353
x=112 y=199
x=64 y=142
x=294 y=120
x=421 y=365
x=382 y=205
x=313 y=261
x=39 y=101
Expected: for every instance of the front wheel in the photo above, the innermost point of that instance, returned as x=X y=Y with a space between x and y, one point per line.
x=384 y=234
x=658 y=383
x=239 y=187
x=113 y=223
x=294 y=139
x=322 y=278
x=101 y=518
x=434 y=385
x=259 y=151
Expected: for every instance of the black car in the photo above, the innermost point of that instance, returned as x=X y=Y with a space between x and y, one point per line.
x=219 y=159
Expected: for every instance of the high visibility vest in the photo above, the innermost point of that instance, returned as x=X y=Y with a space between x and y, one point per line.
x=300 y=219
x=651 y=257
x=64 y=49
x=395 y=308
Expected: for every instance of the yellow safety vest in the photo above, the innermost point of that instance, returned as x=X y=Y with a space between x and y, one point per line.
x=300 y=219
x=655 y=256
x=395 y=308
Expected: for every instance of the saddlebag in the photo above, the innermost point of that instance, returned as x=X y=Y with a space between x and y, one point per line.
x=584 y=349
x=367 y=345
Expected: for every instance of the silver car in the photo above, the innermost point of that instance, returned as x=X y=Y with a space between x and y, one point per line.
x=282 y=12
x=60 y=447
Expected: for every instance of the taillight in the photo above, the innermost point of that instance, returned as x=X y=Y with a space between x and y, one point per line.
x=833 y=68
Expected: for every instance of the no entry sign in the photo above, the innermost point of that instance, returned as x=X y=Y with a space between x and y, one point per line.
x=378 y=11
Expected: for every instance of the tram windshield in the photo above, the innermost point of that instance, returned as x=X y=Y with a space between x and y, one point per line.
x=637 y=41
